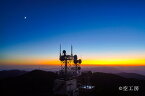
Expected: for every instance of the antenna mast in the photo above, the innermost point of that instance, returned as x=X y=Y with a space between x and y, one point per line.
x=71 y=50
x=70 y=69
x=60 y=49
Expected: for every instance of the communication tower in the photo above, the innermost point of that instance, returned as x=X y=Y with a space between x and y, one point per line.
x=70 y=69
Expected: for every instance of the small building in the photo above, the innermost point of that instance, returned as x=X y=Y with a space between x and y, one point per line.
x=65 y=87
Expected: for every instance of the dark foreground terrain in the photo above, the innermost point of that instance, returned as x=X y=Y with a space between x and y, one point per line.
x=40 y=83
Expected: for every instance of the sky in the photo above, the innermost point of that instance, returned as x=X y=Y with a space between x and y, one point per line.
x=102 y=32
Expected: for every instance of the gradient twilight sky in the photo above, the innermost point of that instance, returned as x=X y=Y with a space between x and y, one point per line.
x=101 y=31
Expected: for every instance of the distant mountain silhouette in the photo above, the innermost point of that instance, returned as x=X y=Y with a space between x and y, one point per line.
x=40 y=83
x=102 y=69
x=108 y=84
x=132 y=75
x=11 y=73
x=34 y=83
x=116 y=69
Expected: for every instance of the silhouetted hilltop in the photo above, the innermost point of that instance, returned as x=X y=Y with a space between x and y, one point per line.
x=34 y=83
x=41 y=83
x=103 y=69
x=11 y=73
x=38 y=74
x=108 y=84
x=116 y=69
x=132 y=75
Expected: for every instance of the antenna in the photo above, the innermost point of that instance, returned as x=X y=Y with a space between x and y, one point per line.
x=68 y=74
x=71 y=50
x=60 y=49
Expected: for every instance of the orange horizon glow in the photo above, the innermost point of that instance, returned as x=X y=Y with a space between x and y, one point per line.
x=127 y=58
x=86 y=62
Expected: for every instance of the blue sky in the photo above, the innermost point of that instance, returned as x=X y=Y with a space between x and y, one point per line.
x=91 y=26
